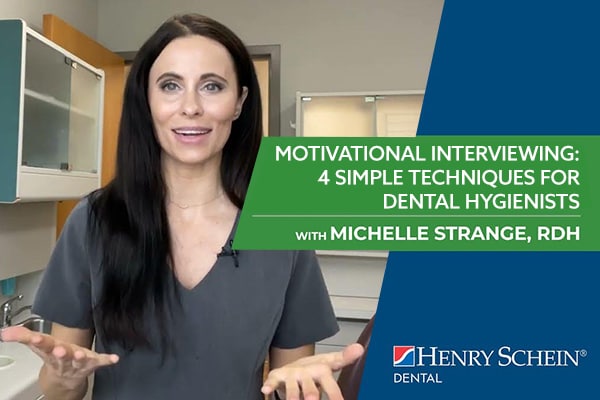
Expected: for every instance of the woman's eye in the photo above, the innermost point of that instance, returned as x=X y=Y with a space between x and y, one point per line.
x=169 y=86
x=212 y=87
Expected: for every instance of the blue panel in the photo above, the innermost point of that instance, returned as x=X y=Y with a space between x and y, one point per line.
x=514 y=67
x=11 y=36
x=499 y=67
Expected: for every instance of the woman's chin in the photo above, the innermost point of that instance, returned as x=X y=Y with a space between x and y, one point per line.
x=198 y=159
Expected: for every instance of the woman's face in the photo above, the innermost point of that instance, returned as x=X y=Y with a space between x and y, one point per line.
x=193 y=96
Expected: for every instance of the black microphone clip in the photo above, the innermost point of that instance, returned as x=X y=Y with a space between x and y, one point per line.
x=228 y=251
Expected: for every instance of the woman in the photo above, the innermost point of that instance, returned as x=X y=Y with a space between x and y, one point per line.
x=142 y=266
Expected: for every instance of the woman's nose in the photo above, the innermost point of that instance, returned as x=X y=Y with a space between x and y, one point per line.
x=192 y=104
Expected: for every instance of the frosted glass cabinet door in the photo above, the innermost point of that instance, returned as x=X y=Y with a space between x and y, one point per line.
x=46 y=107
x=84 y=119
x=338 y=116
x=61 y=111
x=398 y=115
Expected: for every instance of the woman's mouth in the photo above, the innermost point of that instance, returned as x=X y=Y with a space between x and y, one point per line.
x=196 y=131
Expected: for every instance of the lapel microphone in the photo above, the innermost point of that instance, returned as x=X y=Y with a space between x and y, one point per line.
x=227 y=251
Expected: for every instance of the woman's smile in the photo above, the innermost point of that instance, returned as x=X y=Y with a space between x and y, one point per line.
x=192 y=134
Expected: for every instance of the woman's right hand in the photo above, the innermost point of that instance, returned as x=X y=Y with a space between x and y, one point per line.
x=63 y=360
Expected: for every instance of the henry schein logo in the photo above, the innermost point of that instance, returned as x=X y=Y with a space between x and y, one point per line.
x=504 y=356
x=404 y=356
x=424 y=362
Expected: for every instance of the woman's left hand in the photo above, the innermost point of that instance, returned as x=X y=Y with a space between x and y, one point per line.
x=307 y=377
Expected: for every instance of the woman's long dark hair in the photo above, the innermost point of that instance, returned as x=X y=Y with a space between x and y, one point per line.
x=129 y=215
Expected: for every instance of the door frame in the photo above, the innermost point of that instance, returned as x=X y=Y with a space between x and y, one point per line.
x=273 y=54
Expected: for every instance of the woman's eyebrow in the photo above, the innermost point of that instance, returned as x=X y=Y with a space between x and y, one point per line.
x=212 y=75
x=169 y=75
x=207 y=75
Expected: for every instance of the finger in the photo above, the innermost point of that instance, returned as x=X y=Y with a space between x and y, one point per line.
x=64 y=358
x=86 y=361
x=79 y=360
x=331 y=388
x=270 y=384
x=352 y=353
x=99 y=360
x=309 y=389
x=340 y=359
x=63 y=352
x=16 y=334
x=44 y=343
x=292 y=390
x=107 y=359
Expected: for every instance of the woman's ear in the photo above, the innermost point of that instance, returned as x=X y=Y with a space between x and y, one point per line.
x=240 y=102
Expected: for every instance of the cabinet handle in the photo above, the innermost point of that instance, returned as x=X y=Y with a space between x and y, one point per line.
x=40 y=397
x=71 y=63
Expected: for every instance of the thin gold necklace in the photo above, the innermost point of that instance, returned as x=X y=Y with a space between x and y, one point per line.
x=186 y=206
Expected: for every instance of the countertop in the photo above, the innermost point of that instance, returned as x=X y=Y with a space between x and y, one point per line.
x=19 y=379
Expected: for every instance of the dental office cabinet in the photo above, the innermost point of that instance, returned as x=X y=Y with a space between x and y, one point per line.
x=51 y=107
x=358 y=114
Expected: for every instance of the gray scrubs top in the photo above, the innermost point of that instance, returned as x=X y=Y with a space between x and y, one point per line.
x=221 y=334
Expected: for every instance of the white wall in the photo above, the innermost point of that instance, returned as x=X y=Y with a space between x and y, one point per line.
x=82 y=14
x=326 y=45
x=27 y=236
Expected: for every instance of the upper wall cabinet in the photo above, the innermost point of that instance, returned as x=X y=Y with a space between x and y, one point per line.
x=50 y=119
x=358 y=114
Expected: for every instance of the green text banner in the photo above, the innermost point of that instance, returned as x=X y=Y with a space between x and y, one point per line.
x=480 y=193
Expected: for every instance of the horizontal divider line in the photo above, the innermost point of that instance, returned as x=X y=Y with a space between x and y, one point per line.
x=409 y=216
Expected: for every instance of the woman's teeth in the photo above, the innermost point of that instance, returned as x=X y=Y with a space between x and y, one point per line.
x=191 y=132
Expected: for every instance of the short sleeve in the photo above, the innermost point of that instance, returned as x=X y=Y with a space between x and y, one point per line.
x=308 y=315
x=64 y=295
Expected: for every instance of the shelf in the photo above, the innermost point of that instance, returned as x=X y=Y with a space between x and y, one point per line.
x=57 y=172
x=57 y=103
